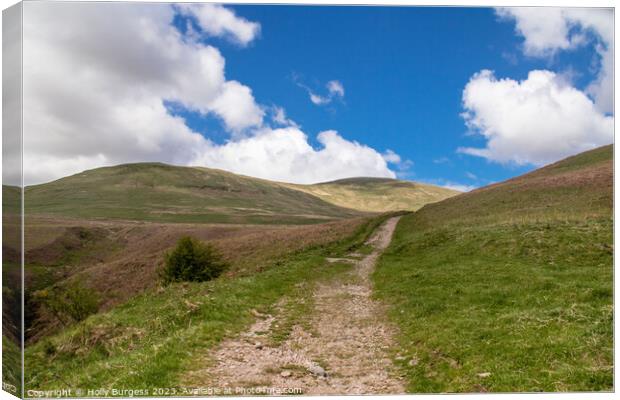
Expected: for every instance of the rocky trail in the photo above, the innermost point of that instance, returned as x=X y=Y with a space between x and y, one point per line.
x=342 y=346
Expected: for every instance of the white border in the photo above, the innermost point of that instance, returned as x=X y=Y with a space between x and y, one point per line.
x=468 y=3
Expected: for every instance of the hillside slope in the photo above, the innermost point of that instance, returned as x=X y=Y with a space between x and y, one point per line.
x=508 y=288
x=576 y=187
x=166 y=193
x=152 y=338
x=377 y=194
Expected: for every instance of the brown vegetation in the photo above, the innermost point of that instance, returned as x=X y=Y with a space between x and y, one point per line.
x=121 y=260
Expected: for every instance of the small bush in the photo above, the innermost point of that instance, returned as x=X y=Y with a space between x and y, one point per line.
x=192 y=261
x=73 y=302
x=49 y=348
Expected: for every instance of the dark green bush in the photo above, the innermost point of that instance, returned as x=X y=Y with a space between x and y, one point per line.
x=192 y=261
x=49 y=348
x=72 y=302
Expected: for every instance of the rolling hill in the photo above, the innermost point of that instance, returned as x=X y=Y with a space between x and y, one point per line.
x=576 y=187
x=166 y=193
x=508 y=288
x=377 y=194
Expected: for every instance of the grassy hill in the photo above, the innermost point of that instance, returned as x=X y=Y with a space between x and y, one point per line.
x=577 y=187
x=377 y=194
x=508 y=287
x=166 y=193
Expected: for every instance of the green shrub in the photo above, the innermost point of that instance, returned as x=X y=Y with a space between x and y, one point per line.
x=192 y=261
x=49 y=348
x=72 y=302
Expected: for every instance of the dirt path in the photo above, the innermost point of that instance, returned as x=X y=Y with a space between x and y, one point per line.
x=343 y=349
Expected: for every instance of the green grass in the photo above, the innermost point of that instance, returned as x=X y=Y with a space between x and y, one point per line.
x=529 y=303
x=526 y=297
x=166 y=193
x=11 y=366
x=11 y=327
x=296 y=307
x=151 y=340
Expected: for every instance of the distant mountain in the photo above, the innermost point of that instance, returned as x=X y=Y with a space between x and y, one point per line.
x=377 y=194
x=166 y=193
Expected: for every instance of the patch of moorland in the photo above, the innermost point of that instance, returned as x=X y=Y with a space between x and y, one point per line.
x=118 y=261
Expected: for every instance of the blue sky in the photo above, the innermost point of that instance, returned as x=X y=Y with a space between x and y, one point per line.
x=404 y=70
x=460 y=97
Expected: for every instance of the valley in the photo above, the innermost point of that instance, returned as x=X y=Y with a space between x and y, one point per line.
x=505 y=288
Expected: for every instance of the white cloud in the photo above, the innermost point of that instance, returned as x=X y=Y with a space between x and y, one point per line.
x=237 y=107
x=391 y=157
x=470 y=175
x=547 y=30
x=335 y=90
x=458 y=187
x=95 y=94
x=216 y=20
x=441 y=160
x=448 y=184
x=535 y=121
x=285 y=155
x=278 y=116
x=319 y=100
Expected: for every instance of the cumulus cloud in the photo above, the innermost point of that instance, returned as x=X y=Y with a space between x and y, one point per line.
x=285 y=155
x=236 y=106
x=95 y=95
x=547 y=30
x=215 y=20
x=534 y=121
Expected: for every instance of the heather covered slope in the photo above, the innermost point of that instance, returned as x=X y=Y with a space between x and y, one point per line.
x=377 y=194
x=509 y=287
